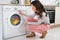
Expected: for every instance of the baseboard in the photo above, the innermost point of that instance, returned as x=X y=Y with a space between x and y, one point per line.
x=55 y=26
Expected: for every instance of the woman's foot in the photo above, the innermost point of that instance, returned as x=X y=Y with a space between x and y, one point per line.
x=43 y=34
x=31 y=35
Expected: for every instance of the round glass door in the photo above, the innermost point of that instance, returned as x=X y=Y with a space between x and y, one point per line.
x=15 y=19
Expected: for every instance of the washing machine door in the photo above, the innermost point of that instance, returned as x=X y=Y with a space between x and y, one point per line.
x=15 y=20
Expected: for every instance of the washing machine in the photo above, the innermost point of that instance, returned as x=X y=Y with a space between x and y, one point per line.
x=0 y=22
x=13 y=22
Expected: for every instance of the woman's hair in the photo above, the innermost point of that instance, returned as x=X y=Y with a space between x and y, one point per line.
x=39 y=8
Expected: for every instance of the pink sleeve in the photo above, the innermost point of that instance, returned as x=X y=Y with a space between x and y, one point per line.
x=30 y=19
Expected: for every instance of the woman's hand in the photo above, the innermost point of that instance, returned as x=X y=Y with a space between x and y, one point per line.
x=21 y=12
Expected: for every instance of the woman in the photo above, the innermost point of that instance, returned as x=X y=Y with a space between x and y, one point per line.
x=40 y=20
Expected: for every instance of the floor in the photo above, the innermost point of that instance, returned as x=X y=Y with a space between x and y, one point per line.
x=0 y=37
x=53 y=34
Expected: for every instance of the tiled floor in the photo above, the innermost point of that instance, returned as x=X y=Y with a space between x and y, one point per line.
x=53 y=34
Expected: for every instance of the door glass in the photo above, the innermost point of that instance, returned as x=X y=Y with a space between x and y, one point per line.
x=15 y=19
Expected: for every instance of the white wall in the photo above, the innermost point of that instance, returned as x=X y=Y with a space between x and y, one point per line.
x=5 y=1
x=47 y=2
x=44 y=2
x=57 y=15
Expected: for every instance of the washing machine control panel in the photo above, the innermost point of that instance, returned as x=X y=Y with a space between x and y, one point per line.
x=12 y=8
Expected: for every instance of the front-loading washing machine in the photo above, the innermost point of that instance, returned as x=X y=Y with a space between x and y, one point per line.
x=0 y=22
x=13 y=22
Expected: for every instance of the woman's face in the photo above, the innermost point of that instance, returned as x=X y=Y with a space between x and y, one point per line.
x=33 y=8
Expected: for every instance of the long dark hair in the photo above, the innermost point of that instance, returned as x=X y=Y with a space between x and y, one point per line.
x=39 y=7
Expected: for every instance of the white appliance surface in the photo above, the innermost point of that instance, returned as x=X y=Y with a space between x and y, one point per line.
x=0 y=23
x=11 y=29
